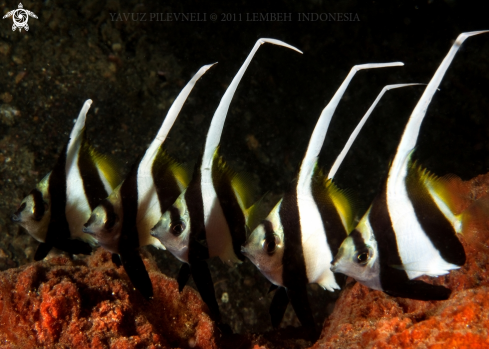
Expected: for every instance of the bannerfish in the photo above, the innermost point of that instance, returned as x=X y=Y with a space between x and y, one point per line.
x=411 y=228
x=296 y=243
x=122 y=222
x=54 y=212
x=209 y=217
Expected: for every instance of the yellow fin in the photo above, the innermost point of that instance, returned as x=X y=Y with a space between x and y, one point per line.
x=180 y=172
x=241 y=183
x=106 y=164
x=449 y=189
x=341 y=199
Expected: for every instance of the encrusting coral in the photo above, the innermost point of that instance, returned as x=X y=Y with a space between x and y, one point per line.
x=90 y=303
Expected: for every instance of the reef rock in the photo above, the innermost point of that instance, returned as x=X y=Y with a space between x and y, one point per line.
x=90 y=303
x=364 y=318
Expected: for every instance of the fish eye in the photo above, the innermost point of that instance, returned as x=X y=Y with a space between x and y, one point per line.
x=110 y=220
x=270 y=244
x=362 y=257
x=177 y=228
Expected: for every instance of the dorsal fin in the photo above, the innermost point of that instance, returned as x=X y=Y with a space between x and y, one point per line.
x=79 y=127
x=448 y=190
x=328 y=193
x=357 y=129
x=176 y=107
x=319 y=133
x=410 y=135
x=108 y=166
x=217 y=123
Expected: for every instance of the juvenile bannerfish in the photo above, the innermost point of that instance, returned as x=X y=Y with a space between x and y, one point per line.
x=295 y=244
x=54 y=212
x=410 y=228
x=122 y=222
x=209 y=217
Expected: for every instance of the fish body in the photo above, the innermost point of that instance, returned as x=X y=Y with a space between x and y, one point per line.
x=122 y=222
x=410 y=229
x=296 y=243
x=209 y=218
x=55 y=211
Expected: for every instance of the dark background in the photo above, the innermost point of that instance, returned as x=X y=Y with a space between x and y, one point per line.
x=134 y=69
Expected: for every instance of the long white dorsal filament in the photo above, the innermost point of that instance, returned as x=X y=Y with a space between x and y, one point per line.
x=411 y=132
x=215 y=129
x=357 y=129
x=319 y=133
x=170 y=118
x=79 y=124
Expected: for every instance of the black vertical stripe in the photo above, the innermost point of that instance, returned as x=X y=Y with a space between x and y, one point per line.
x=165 y=182
x=129 y=238
x=230 y=207
x=294 y=266
x=58 y=225
x=198 y=249
x=332 y=223
x=92 y=183
x=39 y=208
x=390 y=278
x=435 y=225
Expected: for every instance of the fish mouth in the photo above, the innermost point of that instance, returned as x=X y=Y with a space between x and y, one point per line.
x=88 y=231
x=243 y=250
x=15 y=218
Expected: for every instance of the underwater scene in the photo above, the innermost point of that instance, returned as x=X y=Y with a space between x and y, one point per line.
x=276 y=175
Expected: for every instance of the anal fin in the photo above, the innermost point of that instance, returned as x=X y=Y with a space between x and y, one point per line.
x=420 y=290
x=73 y=246
x=203 y=281
x=116 y=260
x=183 y=276
x=278 y=306
x=300 y=302
x=135 y=269
x=42 y=251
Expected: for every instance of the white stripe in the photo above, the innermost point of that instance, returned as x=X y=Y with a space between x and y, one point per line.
x=77 y=208
x=417 y=252
x=317 y=254
x=149 y=210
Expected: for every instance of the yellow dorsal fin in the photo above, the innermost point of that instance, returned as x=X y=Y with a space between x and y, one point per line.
x=341 y=199
x=180 y=172
x=108 y=166
x=241 y=183
x=449 y=189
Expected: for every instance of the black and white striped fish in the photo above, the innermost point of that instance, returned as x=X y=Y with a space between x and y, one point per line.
x=410 y=229
x=122 y=222
x=209 y=218
x=55 y=211
x=296 y=243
